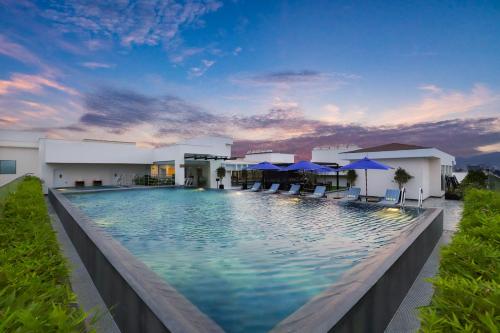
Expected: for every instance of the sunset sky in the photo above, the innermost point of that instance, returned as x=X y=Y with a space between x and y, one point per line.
x=285 y=75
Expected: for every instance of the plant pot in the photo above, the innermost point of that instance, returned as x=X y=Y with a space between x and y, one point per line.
x=221 y=187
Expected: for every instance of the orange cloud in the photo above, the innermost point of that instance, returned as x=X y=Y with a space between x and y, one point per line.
x=31 y=83
x=440 y=105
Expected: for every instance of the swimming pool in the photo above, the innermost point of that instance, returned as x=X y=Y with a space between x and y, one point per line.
x=247 y=260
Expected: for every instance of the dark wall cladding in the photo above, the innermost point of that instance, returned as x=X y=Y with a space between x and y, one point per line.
x=139 y=300
x=367 y=299
x=363 y=301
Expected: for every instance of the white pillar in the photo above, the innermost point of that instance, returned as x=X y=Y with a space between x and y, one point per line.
x=179 y=172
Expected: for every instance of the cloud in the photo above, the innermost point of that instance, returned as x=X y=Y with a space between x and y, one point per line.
x=441 y=105
x=122 y=109
x=97 y=65
x=132 y=23
x=185 y=53
x=17 y=51
x=237 y=50
x=200 y=70
x=31 y=83
x=290 y=78
x=431 y=88
x=443 y=135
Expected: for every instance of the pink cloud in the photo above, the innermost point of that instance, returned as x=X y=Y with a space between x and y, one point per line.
x=31 y=83
x=18 y=52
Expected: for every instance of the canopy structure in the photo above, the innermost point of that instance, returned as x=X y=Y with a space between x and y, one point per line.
x=366 y=164
x=308 y=166
x=264 y=166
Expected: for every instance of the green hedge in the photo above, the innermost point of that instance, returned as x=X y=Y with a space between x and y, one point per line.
x=35 y=295
x=467 y=288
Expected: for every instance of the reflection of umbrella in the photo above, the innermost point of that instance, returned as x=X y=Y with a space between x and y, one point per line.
x=366 y=164
x=308 y=166
x=264 y=166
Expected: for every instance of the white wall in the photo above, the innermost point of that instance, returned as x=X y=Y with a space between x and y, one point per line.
x=331 y=154
x=380 y=180
x=64 y=151
x=26 y=162
x=89 y=172
x=270 y=157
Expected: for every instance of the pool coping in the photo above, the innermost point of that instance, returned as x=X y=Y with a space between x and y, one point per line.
x=366 y=298
x=140 y=301
x=347 y=302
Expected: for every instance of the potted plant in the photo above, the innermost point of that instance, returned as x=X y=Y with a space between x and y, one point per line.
x=244 y=175
x=401 y=177
x=351 y=177
x=221 y=173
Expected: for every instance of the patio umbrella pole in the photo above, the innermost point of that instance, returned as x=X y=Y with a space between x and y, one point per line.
x=366 y=185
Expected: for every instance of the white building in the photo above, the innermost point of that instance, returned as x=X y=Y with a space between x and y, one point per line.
x=331 y=155
x=62 y=163
x=428 y=166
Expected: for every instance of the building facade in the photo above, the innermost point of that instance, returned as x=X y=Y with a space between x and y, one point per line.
x=428 y=167
x=63 y=163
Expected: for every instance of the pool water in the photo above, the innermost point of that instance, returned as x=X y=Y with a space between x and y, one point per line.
x=247 y=260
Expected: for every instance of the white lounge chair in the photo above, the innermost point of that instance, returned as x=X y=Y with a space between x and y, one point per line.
x=352 y=194
x=256 y=187
x=294 y=190
x=273 y=189
x=391 y=197
x=319 y=192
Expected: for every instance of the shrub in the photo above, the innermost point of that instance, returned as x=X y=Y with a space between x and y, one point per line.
x=475 y=178
x=35 y=295
x=401 y=177
x=351 y=177
x=467 y=288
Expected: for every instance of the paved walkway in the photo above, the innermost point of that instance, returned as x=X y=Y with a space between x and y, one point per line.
x=420 y=294
x=87 y=295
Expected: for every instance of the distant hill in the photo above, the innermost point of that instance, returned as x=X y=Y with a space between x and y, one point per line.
x=489 y=159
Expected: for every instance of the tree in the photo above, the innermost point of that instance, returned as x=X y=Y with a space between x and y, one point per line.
x=401 y=177
x=475 y=178
x=351 y=177
x=221 y=172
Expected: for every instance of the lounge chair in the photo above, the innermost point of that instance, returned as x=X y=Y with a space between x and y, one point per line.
x=352 y=194
x=319 y=192
x=273 y=189
x=294 y=190
x=391 y=197
x=256 y=187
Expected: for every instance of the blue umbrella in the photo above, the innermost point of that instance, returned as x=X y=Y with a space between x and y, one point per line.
x=366 y=164
x=264 y=166
x=308 y=166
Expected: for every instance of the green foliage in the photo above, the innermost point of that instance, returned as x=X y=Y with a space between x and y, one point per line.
x=467 y=288
x=244 y=175
x=351 y=177
x=35 y=295
x=401 y=177
x=221 y=172
x=475 y=179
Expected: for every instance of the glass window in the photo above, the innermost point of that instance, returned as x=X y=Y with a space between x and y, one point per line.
x=8 y=167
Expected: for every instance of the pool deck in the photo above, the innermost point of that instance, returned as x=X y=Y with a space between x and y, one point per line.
x=420 y=294
x=405 y=319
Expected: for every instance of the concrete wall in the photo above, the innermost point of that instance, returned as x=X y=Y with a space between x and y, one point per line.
x=270 y=157
x=89 y=172
x=26 y=162
x=87 y=152
x=380 y=180
x=331 y=154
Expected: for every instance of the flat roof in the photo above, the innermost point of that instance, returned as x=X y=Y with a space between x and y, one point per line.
x=387 y=147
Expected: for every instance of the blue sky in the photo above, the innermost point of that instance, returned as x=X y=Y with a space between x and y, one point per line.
x=282 y=74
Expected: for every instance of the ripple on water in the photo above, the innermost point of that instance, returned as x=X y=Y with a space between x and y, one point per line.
x=247 y=260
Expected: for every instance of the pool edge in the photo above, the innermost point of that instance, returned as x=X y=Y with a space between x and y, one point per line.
x=368 y=297
x=139 y=299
